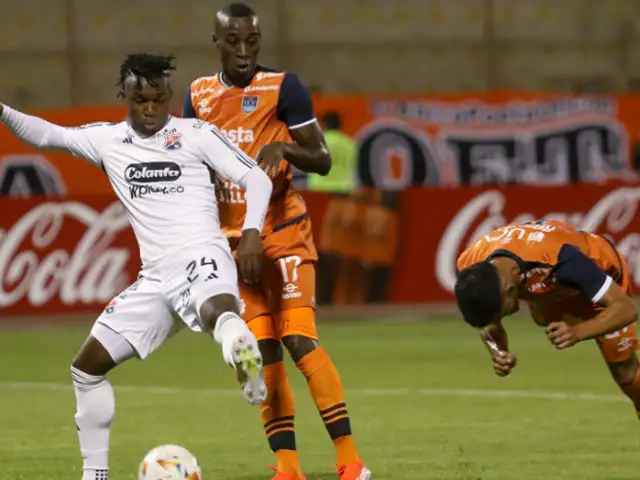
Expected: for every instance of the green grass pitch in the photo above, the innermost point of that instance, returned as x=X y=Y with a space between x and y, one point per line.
x=423 y=400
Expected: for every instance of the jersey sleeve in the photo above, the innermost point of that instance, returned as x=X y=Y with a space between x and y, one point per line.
x=294 y=103
x=222 y=155
x=187 y=106
x=83 y=141
x=576 y=270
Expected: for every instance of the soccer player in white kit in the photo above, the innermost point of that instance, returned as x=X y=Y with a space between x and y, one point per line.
x=160 y=167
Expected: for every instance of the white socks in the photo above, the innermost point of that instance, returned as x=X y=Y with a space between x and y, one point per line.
x=229 y=327
x=95 y=410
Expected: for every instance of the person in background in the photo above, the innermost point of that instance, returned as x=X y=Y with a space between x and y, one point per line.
x=344 y=156
x=339 y=221
x=359 y=234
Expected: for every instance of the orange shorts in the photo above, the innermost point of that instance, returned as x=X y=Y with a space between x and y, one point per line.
x=283 y=303
x=619 y=346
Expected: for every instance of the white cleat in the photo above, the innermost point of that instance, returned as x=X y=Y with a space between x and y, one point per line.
x=247 y=361
x=354 y=471
x=365 y=474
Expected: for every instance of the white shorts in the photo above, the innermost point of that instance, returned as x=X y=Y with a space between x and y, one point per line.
x=168 y=296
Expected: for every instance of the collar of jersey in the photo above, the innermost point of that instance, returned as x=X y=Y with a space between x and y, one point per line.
x=224 y=83
x=159 y=132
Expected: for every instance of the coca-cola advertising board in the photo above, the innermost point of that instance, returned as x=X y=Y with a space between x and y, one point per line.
x=59 y=256
x=438 y=224
x=74 y=255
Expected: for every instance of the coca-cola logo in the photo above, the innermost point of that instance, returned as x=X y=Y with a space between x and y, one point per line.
x=612 y=215
x=35 y=267
x=152 y=172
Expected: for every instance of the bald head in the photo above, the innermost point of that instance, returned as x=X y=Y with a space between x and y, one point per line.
x=233 y=11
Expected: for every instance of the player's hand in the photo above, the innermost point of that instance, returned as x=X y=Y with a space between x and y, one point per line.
x=503 y=362
x=270 y=156
x=562 y=335
x=250 y=255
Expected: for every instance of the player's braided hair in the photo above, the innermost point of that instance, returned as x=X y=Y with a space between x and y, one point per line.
x=146 y=66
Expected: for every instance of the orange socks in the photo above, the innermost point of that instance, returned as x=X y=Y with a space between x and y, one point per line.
x=328 y=394
x=278 y=419
x=278 y=412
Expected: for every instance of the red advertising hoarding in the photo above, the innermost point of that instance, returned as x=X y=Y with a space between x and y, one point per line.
x=74 y=254
x=59 y=256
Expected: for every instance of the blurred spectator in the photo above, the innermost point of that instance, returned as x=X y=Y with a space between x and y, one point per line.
x=344 y=158
x=340 y=183
x=359 y=231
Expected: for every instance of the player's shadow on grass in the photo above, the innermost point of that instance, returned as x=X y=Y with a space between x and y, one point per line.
x=310 y=476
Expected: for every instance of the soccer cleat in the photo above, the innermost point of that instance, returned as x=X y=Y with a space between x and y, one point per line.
x=247 y=361
x=354 y=471
x=284 y=476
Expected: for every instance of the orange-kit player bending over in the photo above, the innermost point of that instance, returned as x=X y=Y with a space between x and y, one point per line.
x=576 y=284
x=269 y=115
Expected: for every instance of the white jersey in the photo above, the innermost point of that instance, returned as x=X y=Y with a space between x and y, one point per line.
x=164 y=181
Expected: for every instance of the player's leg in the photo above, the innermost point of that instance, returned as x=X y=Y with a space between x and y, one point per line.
x=134 y=324
x=202 y=288
x=296 y=319
x=278 y=410
x=619 y=351
x=95 y=407
x=325 y=386
x=220 y=315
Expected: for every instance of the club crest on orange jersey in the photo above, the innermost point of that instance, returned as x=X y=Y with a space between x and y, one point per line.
x=173 y=141
x=249 y=103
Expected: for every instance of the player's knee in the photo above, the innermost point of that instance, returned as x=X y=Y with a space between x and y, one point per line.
x=299 y=346
x=624 y=373
x=215 y=306
x=271 y=351
x=93 y=359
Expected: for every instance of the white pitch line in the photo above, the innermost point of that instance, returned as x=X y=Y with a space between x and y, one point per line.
x=379 y=392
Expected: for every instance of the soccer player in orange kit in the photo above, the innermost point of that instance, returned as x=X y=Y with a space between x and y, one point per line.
x=575 y=282
x=269 y=115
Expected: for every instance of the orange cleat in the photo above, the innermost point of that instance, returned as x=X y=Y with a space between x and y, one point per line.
x=285 y=476
x=354 y=471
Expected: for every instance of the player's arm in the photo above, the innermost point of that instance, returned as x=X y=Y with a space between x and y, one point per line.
x=187 y=106
x=309 y=151
x=80 y=142
x=494 y=336
x=495 y=339
x=578 y=271
x=231 y=162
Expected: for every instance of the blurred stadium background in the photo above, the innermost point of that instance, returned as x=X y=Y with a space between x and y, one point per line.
x=360 y=46
x=464 y=115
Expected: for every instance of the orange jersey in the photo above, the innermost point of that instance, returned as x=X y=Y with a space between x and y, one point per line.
x=262 y=113
x=559 y=263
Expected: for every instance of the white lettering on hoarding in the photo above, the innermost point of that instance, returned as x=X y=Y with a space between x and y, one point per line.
x=93 y=271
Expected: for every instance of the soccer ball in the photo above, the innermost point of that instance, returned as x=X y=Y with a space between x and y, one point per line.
x=169 y=462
